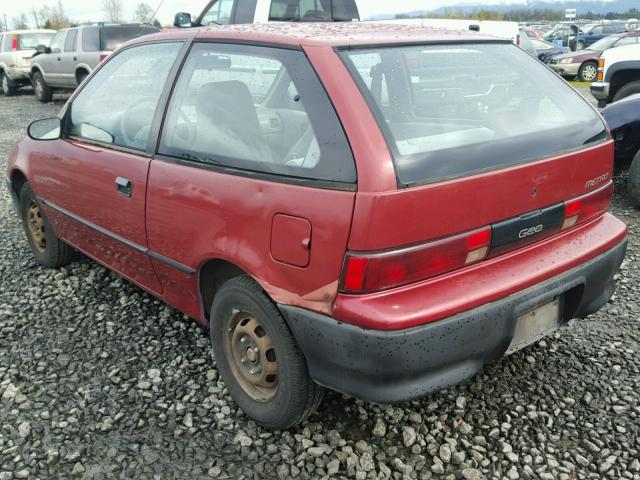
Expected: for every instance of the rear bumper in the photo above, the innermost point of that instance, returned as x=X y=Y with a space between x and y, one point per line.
x=393 y=366
x=19 y=74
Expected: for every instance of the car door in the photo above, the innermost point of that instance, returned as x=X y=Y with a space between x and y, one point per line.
x=51 y=63
x=238 y=179
x=94 y=187
x=69 y=59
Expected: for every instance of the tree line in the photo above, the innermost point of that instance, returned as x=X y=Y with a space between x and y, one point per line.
x=521 y=14
x=54 y=17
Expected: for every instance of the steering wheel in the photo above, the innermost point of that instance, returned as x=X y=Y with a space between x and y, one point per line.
x=135 y=122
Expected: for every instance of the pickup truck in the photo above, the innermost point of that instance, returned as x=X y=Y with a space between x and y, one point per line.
x=618 y=74
x=222 y=12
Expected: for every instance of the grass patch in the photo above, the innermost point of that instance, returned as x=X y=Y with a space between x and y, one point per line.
x=580 y=84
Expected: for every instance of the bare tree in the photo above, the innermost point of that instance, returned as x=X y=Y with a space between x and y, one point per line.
x=113 y=10
x=54 y=17
x=20 y=22
x=143 y=13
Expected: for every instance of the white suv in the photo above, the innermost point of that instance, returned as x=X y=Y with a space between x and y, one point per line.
x=618 y=74
x=16 y=49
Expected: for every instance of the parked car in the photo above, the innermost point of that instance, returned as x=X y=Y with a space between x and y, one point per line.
x=623 y=118
x=303 y=188
x=584 y=63
x=16 y=49
x=75 y=52
x=618 y=74
x=539 y=49
x=562 y=34
x=534 y=34
x=221 y=12
x=593 y=32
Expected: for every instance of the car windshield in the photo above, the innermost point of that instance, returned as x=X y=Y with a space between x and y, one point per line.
x=604 y=43
x=313 y=10
x=442 y=119
x=29 y=41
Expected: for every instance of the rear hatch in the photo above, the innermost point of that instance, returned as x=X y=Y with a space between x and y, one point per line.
x=112 y=36
x=492 y=151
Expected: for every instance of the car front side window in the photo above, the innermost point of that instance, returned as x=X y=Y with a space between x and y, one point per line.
x=118 y=105
x=219 y=13
x=57 y=43
x=257 y=109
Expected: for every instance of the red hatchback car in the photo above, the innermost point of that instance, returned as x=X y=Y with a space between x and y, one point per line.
x=346 y=206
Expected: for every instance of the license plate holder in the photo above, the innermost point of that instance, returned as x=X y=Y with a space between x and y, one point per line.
x=534 y=325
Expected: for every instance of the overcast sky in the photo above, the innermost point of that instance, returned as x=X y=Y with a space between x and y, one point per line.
x=84 y=10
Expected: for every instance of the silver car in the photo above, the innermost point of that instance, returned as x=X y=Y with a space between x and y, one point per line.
x=16 y=49
x=74 y=52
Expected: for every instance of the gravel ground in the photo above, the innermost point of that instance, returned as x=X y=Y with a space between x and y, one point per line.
x=100 y=380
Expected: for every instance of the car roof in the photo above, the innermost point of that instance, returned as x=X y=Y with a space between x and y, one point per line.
x=327 y=34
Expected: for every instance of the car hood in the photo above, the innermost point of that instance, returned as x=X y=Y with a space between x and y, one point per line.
x=579 y=56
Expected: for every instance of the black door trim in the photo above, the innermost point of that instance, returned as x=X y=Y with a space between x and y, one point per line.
x=114 y=236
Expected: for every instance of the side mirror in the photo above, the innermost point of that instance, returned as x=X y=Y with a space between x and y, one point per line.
x=40 y=49
x=45 y=129
x=183 y=20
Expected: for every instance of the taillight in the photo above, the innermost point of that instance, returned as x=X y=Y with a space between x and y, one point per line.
x=591 y=205
x=601 y=69
x=14 y=42
x=383 y=270
x=103 y=57
x=517 y=40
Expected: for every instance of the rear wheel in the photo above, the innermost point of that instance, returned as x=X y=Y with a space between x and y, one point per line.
x=634 y=181
x=42 y=91
x=626 y=90
x=48 y=249
x=9 y=87
x=588 y=72
x=580 y=45
x=258 y=358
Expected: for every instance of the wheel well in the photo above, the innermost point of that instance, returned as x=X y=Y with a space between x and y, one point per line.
x=80 y=72
x=213 y=274
x=621 y=78
x=17 y=181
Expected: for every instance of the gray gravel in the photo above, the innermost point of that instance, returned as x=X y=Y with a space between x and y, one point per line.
x=100 y=380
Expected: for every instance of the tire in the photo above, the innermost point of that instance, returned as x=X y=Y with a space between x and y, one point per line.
x=588 y=72
x=9 y=87
x=82 y=77
x=42 y=91
x=626 y=90
x=245 y=320
x=48 y=250
x=633 y=184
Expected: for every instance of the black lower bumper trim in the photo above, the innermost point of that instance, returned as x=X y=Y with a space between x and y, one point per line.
x=394 y=366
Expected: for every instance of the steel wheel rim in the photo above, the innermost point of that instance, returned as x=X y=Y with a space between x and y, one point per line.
x=38 y=87
x=252 y=356
x=35 y=224
x=589 y=73
x=5 y=84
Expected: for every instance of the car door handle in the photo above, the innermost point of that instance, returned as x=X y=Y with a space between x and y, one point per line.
x=75 y=59
x=59 y=59
x=124 y=186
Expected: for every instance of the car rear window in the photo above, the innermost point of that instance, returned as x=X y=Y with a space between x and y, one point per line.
x=114 y=36
x=29 y=41
x=453 y=110
x=313 y=10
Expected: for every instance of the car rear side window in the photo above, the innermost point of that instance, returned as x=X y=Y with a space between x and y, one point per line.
x=115 y=35
x=90 y=39
x=257 y=109
x=70 y=42
x=118 y=104
x=29 y=41
x=454 y=110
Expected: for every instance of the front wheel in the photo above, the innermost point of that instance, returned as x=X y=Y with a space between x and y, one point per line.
x=258 y=358
x=48 y=250
x=634 y=181
x=627 y=90
x=588 y=72
x=580 y=46
x=9 y=87
x=42 y=91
